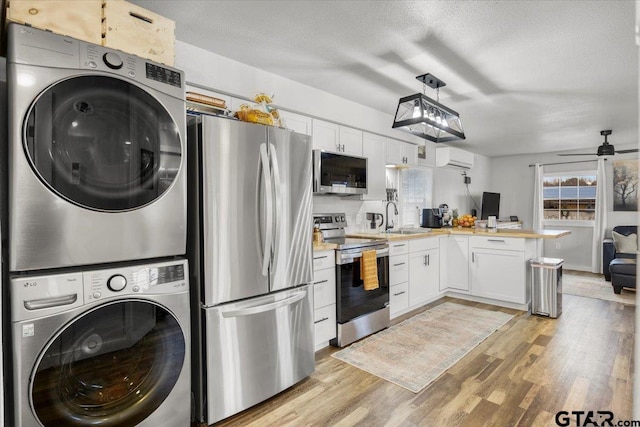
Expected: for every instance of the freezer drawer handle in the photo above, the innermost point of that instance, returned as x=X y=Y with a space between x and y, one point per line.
x=321 y=320
x=38 y=304
x=264 y=308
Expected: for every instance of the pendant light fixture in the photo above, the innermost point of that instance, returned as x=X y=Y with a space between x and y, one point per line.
x=427 y=118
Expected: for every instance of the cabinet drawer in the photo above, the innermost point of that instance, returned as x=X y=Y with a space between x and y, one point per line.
x=398 y=248
x=399 y=297
x=323 y=259
x=498 y=242
x=424 y=244
x=398 y=269
x=324 y=288
x=324 y=320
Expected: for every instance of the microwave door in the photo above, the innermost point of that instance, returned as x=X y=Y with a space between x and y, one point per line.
x=291 y=155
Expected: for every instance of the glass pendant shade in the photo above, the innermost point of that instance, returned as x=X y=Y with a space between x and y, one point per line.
x=424 y=117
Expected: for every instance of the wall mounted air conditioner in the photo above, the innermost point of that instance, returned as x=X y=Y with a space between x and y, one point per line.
x=453 y=157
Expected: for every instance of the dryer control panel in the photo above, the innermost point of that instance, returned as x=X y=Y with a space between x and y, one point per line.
x=36 y=296
x=160 y=278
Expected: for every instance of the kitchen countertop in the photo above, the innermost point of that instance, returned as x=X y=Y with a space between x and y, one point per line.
x=324 y=246
x=527 y=234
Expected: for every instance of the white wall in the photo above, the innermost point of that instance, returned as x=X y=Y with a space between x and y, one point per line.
x=220 y=74
x=449 y=186
x=513 y=179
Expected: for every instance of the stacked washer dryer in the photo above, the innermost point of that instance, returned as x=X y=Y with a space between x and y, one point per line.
x=98 y=285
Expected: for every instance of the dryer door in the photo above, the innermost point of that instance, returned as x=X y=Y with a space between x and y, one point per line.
x=102 y=143
x=113 y=366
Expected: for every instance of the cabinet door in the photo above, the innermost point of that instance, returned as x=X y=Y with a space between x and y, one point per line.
x=373 y=147
x=499 y=275
x=326 y=136
x=296 y=122
x=398 y=298
x=350 y=141
x=398 y=269
x=458 y=263
x=424 y=276
x=395 y=152
x=444 y=263
x=410 y=154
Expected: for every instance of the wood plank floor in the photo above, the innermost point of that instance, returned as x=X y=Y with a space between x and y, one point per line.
x=522 y=375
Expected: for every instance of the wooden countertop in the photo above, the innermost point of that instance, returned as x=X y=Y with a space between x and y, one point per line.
x=526 y=234
x=324 y=246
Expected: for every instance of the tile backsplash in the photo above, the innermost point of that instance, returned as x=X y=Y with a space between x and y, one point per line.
x=354 y=209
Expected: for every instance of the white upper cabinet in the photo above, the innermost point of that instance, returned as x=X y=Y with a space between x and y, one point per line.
x=296 y=122
x=373 y=148
x=401 y=153
x=337 y=139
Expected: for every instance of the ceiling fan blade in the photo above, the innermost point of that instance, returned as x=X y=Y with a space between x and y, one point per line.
x=633 y=150
x=579 y=154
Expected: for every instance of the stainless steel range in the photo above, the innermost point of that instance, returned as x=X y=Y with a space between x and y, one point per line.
x=360 y=312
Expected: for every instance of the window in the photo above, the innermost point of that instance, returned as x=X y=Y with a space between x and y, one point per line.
x=570 y=196
x=416 y=189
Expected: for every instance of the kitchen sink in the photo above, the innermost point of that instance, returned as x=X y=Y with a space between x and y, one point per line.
x=409 y=231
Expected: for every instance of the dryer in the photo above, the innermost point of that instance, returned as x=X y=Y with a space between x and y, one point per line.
x=105 y=347
x=96 y=154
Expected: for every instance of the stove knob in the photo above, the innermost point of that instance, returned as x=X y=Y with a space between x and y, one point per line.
x=117 y=282
x=342 y=218
x=337 y=218
x=112 y=60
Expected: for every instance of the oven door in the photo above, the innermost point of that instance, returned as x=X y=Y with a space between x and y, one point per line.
x=352 y=300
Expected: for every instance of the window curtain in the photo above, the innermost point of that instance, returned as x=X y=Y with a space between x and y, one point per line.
x=538 y=202
x=601 y=218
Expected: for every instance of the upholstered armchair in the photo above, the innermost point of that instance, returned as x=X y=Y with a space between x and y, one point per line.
x=619 y=258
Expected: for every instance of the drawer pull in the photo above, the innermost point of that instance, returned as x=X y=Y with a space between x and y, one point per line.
x=321 y=320
x=399 y=293
x=321 y=281
x=399 y=264
x=320 y=257
x=399 y=246
x=496 y=240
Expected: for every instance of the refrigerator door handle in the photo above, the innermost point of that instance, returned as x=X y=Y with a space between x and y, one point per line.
x=268 y=185
x=278 y=202
x=266 y=307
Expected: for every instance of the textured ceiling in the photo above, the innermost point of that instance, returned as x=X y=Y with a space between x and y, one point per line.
x=525 y=76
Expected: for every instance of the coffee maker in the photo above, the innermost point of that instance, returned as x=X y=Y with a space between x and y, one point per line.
x=431 y=218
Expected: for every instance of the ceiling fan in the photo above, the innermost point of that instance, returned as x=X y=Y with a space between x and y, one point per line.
x=605 y=149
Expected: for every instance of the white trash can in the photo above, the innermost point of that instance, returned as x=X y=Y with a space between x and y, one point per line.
x=546 y=286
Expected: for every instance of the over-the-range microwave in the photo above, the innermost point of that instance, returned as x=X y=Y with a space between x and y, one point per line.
x=339 y=174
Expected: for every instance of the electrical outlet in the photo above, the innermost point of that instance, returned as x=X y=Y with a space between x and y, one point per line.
x=467 y=180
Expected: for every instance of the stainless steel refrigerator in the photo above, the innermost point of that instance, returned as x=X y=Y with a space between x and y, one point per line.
x=250 y=249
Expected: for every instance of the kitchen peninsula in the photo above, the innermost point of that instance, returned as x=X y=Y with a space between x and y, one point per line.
x=467 y=263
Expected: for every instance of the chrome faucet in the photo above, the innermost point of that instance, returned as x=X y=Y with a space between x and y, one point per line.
x=395 y=210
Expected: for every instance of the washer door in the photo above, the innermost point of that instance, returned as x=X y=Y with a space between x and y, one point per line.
x=102 y=143
x=113 y=366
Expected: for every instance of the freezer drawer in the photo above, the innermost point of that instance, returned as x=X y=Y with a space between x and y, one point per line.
x=256 y=348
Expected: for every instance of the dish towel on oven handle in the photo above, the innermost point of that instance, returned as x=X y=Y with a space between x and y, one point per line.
x=369 y=270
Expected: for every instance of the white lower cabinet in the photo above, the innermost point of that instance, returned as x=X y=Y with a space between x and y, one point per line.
x=498 y=268
x=424 y=270
x=458 y=263
x=398 y=277
x=414 y=273
x=324 y=297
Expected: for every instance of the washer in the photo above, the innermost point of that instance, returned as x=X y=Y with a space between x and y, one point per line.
x=96 y=154
x=103 y=347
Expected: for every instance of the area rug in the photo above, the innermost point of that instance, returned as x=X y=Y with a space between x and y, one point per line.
x=594 y=286
x=415 y=352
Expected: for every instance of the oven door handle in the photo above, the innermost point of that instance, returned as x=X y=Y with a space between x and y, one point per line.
x=349 y=257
